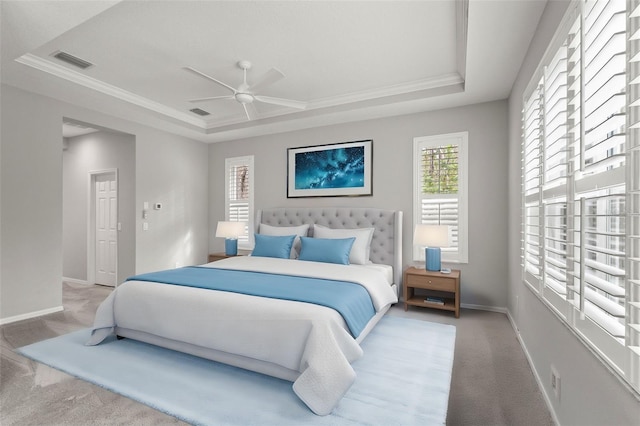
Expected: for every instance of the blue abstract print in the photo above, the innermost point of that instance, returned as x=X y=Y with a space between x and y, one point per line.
x=331 y=168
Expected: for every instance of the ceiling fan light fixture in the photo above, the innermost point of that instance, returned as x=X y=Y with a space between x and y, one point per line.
x=244 y=98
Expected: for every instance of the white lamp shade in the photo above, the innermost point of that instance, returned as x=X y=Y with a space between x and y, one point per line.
x=230 y=229
x=431 y=235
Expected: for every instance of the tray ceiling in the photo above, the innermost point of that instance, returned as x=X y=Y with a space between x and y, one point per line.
x=347 y=60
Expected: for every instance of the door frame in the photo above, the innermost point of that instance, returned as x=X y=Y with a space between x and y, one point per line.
x=91 y=223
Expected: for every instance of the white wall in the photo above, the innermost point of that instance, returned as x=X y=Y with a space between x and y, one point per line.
x=590 y=394
x=484 y=277
x=169 y=169
x=31 y=263
x=176 y=175
x=86 y=153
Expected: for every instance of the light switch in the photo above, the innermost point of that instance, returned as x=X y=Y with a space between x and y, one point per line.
x=145 y=226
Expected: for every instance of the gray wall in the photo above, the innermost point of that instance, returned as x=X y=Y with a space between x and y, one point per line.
x=484 y=277
x=31 y=264
x=590 y=394
x=169 y=169
x=97 y=151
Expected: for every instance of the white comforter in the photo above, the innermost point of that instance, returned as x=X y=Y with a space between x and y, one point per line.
x=311 y=340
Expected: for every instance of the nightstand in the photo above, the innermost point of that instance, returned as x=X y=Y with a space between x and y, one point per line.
x=445 y=287
x=214 y=257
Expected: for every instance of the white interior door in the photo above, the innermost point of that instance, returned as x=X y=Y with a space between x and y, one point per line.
x=106 y=210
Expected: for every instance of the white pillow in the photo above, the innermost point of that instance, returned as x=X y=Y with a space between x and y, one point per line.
x=361 y=246
x=279 y=231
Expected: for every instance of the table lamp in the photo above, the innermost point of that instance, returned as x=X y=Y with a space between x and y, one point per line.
x=433 y=237
x=231 y=231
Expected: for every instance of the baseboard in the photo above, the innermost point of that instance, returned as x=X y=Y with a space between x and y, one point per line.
x=75 y=281
x=30 y=315
x=545 y=396
x=484 y=308
x=513 y=323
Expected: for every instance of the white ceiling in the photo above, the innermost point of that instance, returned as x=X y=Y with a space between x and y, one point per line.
x=348 y=60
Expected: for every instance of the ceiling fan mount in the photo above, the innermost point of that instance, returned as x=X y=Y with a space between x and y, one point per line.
x=244 y=64
x=245 y=94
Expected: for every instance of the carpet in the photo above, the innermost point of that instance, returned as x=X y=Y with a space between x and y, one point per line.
x=402 y=379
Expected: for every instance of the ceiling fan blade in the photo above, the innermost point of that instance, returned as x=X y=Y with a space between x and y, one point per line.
x=201 y=74
x=211 y=98
x=279 y=101
x=266 y=79
x=250 y=110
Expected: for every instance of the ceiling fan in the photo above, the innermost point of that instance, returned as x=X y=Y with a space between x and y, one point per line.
x=246 y=94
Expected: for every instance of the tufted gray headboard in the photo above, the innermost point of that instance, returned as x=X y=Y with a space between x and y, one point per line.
x=386 y=245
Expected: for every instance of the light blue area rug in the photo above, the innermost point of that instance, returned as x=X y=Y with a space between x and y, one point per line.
x=403 y=379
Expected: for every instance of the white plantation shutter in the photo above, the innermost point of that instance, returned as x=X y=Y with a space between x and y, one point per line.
x=585 y=192
x=440 y=187
x=575 y=126
x=531 y=175
x=555 y=144
x=239 y=195
x=632 y=200
x=600 y=180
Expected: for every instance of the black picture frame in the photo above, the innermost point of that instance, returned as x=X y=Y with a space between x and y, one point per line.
x=333 y=170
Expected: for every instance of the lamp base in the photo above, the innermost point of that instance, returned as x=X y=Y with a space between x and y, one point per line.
x=432 y=259
x=231 y=247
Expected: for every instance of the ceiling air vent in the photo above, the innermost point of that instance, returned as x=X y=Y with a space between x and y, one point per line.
x=199 y=111
x=73 y=60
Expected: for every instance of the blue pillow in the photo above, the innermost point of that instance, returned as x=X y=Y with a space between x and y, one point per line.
x=273 y=246
x=328 y=250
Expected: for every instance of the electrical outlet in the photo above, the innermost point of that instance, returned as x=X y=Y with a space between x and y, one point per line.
x=555 y=382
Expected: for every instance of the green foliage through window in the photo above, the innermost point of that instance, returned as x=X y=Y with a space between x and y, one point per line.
x=440 y=170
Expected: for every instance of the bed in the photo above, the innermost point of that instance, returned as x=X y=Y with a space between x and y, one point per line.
x=308 y=342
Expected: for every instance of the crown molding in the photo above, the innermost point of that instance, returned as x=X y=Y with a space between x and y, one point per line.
x=49 y=67
x=444 y=80
x=394 y=90
x=212 y=123
x=462 y=29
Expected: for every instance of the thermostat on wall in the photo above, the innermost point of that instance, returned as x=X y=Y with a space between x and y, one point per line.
x=157 y=206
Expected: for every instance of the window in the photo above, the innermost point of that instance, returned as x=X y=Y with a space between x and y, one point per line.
x=239 y=196
x=581 y=180
x=440 y=190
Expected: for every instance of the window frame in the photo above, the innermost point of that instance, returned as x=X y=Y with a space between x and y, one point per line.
x=248 y=160
x=449 y=255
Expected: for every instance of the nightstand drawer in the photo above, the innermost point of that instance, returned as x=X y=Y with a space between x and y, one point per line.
x=433 y=283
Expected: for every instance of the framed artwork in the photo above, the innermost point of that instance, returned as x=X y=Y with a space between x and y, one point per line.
x=334 y=170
